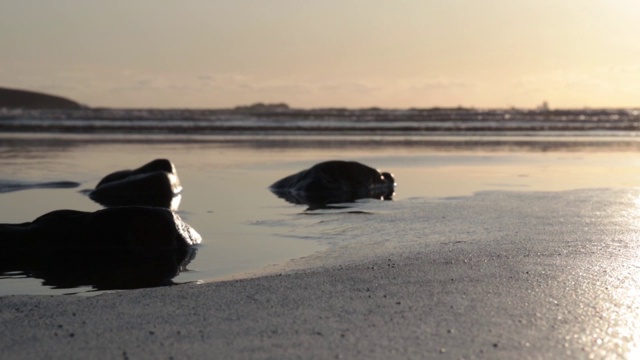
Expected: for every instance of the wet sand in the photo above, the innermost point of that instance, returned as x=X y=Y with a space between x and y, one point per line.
x=497 y=275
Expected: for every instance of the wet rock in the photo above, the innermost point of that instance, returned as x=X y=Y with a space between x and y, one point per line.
x=333 y=182
x=153 y=184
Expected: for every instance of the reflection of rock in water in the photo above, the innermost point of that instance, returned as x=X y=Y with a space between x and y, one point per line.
x=105 y=271
x=122 y=247
x=333 y=182
x=153 y=184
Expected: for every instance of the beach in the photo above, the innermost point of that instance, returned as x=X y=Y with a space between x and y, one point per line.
x=497 y=252
x=545 y=275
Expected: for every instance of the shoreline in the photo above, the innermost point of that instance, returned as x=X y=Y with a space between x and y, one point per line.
x=540 y=275
x=247 y=229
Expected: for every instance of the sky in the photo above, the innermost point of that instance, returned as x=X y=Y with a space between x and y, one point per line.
x=329 y=53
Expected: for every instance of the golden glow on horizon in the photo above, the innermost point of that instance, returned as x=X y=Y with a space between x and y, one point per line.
x=492 y=53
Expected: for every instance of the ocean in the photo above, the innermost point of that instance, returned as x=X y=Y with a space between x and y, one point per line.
x=363 y=122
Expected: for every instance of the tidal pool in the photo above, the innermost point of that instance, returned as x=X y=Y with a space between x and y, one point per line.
x=225 y=193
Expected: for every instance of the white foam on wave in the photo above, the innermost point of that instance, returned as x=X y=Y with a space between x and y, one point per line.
x=593 y=122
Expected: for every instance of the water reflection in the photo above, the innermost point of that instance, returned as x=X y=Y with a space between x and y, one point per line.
x=334 y=182
x=101 y=271
x=626 y=280
x=317 y=201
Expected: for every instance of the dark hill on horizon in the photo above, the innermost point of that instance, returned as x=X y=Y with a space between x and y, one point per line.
x=23 y=99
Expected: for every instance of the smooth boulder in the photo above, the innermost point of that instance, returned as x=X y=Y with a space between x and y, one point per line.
x=335 y=181
x=153 y=184
x=139 y=230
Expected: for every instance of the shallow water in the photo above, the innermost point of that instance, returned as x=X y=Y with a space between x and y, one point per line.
x=225 y=196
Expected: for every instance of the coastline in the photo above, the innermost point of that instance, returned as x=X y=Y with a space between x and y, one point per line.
x=495 y=275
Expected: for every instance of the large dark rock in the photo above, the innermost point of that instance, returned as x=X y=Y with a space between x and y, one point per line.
x=333 y=182
x=138 y=230
x=114 y=248
x=120 y=247
x=153 y=184
x=23 y=99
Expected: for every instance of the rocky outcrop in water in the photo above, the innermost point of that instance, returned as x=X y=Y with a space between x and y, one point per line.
x=153 y=184
x=333 y=182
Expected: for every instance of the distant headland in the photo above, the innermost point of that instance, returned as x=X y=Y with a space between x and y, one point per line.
x=23 y=99
x=263 y=107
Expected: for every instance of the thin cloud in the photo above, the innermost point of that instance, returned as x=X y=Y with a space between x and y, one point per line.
x=442 y=84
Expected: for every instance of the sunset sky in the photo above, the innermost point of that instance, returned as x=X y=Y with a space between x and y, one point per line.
x=347 y=53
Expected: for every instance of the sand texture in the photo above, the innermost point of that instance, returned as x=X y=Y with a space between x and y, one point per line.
x=499 y=275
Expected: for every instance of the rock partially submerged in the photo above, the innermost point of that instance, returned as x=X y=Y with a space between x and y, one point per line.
x=145 y=231
x=333 y=182
x=138 y=241
x=153 y=184
x=114 y=248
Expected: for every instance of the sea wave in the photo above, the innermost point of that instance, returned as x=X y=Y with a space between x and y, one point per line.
x=374 y=122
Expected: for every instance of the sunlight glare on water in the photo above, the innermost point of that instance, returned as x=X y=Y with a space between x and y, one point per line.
x=629 y=290
x=615 y=317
